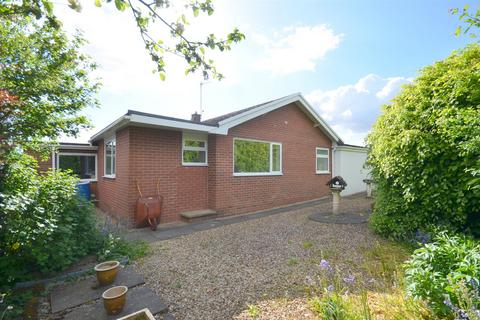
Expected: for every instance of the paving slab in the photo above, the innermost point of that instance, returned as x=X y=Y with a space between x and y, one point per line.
x=137 y=298
x=340 y=218
x=198 y=213
x=73 y=294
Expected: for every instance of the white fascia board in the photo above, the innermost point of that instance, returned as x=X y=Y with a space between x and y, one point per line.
x=76 y=147
x=225 y=125
x=146 y=120
x=111 y=127
x=247 y=115
x=134 y=118
x=358 y=149
x=335 y=137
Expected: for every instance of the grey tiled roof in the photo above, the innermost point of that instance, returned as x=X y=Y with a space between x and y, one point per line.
x=216 y=120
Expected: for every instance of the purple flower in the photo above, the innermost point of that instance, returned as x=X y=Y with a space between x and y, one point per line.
x=330 y=288
x=448 y=303
x=463 y=315
x=474 y=284
x=324 y=265
x=422 y=237
x=350 y=279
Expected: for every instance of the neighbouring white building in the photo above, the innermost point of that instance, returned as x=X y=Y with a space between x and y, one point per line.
x=348 y=162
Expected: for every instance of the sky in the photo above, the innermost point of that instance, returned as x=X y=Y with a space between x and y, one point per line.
x=347 y=58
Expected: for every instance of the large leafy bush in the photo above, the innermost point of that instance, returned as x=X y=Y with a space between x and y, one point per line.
x=424 y=150
x=44 y=225
x=437 y=271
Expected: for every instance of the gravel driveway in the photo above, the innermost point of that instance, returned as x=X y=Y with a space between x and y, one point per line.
x=215 y=274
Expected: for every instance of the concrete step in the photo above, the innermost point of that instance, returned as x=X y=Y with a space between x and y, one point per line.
x=197 y=215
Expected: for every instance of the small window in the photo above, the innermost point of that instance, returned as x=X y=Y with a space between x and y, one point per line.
x=194 y=152
x=322 y=156
x=82 y=165
x=257 y=157
x=110 y=157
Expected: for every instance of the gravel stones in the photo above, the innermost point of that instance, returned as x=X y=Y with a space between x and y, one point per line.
x=216 y=273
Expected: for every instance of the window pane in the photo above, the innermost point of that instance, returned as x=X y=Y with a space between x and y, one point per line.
x=195 y=143
x=110 y=155
x=82 y=166
x=276 y=158
x=87 y=167
x=108 y=165
x=194 y=156
x=322 y=164
x=69 y=163
x=113 y=162
x=251 y=156
x=322 y=152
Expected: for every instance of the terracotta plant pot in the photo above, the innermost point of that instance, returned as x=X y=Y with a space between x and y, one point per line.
x=143 y=314
x=114 y=299
x=106 y=272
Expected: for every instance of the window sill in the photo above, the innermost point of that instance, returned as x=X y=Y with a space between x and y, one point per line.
x=257 y=174
x=195 y=164
x=88 y=180
x=323 y=172
x=111 y=177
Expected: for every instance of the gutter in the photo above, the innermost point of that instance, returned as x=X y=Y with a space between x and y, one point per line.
x=112 y=125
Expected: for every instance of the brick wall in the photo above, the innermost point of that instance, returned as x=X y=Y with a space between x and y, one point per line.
x=288 y=125
x=113 y=193
x=156 y=156
x=149 y=155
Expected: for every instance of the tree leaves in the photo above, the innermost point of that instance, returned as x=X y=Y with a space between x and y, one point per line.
x=44 y=83
x=121 y=5
x=424 y=149
x=471 y=19
x=150 y=15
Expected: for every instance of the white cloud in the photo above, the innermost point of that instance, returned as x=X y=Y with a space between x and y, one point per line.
x=295 y=48
x=352 y=109
x=347 y=113
x=125 y=68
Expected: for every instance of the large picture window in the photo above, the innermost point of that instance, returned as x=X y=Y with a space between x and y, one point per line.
x=82 y=165
x=322 y=157
x=110 y=157
x=253 y=157
x=194 y=152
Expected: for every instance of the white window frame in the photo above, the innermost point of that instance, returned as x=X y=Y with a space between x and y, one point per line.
x=322 y=156
x=189 y=148
x=114 y=159
x=57 y=161
x=270 y=173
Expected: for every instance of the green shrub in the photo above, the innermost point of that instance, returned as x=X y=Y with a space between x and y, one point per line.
x=45 y=225
x=424 y=150
x=435 y=270
x=114 y=247
x=330 y=306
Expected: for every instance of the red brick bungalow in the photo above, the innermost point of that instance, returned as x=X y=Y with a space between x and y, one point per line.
x=268 y=155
